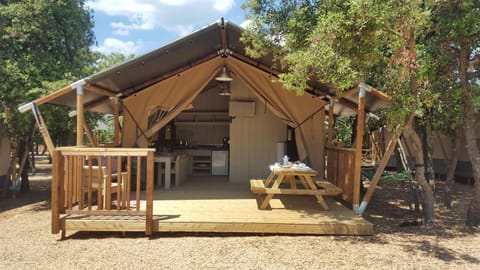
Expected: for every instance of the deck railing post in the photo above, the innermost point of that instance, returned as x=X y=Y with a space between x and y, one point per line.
x=73 y=183
x=56 y=189
x=358 y=149
x=149 y=207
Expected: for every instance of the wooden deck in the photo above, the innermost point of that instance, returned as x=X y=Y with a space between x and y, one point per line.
x=211 y=204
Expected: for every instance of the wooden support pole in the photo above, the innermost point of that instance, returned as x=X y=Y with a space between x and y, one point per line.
x=43 y=129
x=380 y=169
x=80 y=114
x=91 y=138
x=331 y=121
x=150 y=187
x=358 y=149
x=57 y=201
x=116 y=122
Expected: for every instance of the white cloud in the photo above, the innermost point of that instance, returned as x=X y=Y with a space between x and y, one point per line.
x=115 y=45
x=179 y=16
x=245 y=23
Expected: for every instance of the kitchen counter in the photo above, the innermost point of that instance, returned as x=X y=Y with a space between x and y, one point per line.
x=207 y=159
x=203 y=147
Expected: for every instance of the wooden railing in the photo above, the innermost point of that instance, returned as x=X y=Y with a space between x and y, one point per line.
x=85 y=181
x=341 y=169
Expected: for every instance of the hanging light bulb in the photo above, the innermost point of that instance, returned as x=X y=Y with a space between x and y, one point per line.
x=224 y=76
x=225 y=89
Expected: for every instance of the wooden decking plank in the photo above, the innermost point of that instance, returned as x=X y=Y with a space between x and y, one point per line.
x=231 y=209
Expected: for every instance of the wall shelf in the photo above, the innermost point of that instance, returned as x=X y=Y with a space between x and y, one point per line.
x=201 y=162
x=203 y=118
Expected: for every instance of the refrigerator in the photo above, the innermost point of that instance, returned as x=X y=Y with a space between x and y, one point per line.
x=220 y=162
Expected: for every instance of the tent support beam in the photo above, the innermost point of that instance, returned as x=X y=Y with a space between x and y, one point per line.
x=53 y=95
x=80 y=114
x=89 y=133
x=358 y=149
x=43 y=128
x=380 y=169
x=100 y=91
x=331 y=121
x=116 y=121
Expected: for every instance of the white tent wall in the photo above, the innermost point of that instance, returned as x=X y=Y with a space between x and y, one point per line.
x=304 y=113
x=253 y=139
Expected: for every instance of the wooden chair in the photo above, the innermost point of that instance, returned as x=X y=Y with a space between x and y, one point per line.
x=102 y=173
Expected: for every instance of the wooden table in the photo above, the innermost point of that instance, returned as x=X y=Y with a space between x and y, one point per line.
x=291 y=175
x=167 y=159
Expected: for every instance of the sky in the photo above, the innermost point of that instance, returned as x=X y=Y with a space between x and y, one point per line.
x=139 y=26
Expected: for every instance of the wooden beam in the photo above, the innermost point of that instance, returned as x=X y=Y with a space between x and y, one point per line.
x=150 y=187
x=98 y=90
x=358 y=149
x=54 y=95
x=331 y=121
x=43 y=128
x=116 y=121
x=56 y=189
x=80 y=115
x=223 y=38
x=89 y=133
x=380 y=94
x=380 y=169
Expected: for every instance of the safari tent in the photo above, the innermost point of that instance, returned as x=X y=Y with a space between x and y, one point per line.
x=193 y=97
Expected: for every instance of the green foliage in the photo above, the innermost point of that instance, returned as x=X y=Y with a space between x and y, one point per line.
x=342 y=43
x=455 y=23
x=39 y=41
x=343 y=131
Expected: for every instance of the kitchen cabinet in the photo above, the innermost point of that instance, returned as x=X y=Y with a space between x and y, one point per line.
x=201 y=161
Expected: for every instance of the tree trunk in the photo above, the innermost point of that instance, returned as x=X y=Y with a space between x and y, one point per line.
x=417 y=151
x=447 y=199
x=398 y=160
x=427 y=198
x=24 y=164
x=427 y=149
x=473 y=212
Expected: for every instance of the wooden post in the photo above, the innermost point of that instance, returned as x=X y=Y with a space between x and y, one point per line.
x=89 y=133
x=80 y=114
x=331 y=121
x=358 y=148
x=56 y=204
x=380 y=169
x=149 y=210
x=43 y=128
x=116 y=122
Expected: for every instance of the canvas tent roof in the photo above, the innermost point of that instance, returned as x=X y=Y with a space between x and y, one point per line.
x=212 y=41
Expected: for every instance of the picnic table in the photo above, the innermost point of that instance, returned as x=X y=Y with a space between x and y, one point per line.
x=292 y=175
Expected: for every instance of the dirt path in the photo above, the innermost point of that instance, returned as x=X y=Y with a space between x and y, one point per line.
x=26 y=242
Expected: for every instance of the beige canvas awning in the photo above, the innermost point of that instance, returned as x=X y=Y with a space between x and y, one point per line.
x=175 y=94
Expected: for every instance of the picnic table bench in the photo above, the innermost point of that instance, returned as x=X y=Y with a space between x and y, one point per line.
x=293 y=174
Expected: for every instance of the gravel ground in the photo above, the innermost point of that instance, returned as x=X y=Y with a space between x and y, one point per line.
x=399 y=242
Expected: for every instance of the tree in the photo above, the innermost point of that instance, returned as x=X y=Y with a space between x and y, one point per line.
x=346 y=42
x=457 y=25
x=39 y=41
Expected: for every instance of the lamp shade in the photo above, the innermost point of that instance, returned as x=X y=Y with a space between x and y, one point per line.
x=224 y=76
